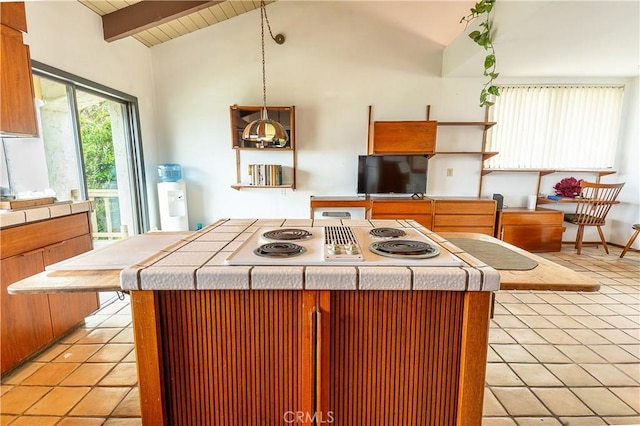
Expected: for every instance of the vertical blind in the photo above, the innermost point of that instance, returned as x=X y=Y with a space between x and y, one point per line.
x=555 y=127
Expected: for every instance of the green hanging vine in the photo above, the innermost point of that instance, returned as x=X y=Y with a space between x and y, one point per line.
x=482 y=37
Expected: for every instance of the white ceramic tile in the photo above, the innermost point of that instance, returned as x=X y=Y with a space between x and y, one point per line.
x=231 y=228
x=223 y=278
x=327 y=222
x=174 y=278
x=175 y=246
x=218 y=259
x=277 y=278
x=60 y=210
x=242 y=222
x=232 y=246
x=81 y=206
x=439 y=278
x=217 y=236
x=152 y=259
x=37 y=214
x=491 y=279
x=474 y=280
x=384 y=278
x=12 y=218
x=213 y=245
x=243 y=237
x=185 y=259
x=129 y=278
x=206 y=246
x=330 y=278
x=298 y=222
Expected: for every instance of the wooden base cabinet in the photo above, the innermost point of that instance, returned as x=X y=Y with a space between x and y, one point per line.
x=537 y=230
x=464 y=215
x=232 y=357
x=28 y=322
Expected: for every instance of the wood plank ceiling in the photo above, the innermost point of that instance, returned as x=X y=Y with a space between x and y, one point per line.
x=154 y=22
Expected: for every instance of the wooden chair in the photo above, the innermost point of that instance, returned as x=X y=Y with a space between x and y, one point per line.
x=594 y=202
x=636 y=228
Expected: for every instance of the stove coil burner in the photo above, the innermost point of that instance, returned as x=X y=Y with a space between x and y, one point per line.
x=279 y=250
x=408 y=249
x=387 y=233
x=286 y=234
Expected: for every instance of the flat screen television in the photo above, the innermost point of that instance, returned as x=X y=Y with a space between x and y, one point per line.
x=392 y=174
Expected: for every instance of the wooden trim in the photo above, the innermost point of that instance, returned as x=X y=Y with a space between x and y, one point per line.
x=323 y=377
x=147 y=338
x=475 y=338
x=307 y=368
x=147 y=14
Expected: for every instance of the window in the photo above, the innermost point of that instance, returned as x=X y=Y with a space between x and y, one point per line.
x=89 y=149
x=555 y=127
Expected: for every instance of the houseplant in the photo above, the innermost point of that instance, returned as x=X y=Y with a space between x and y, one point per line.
x=484 y=38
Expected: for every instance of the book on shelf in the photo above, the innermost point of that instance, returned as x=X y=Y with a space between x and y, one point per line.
x=265 y=174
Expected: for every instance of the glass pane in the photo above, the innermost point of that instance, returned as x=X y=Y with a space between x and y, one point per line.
x=105 y=150
x=49 y=162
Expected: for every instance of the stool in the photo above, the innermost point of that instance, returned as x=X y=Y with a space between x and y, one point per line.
x=636 y=228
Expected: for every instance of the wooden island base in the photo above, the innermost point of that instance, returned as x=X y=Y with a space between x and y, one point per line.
x=272 y=357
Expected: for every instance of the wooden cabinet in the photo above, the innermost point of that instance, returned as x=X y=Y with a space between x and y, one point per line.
x=17 y=108
x=229 y=357
x=25 y=323
x=418 y=210
x=464 y=215
x=402 y=137
x=29 y=322
x=243 y=115
x=537 y=230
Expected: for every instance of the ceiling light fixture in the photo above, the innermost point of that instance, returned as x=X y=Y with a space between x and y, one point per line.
x=265 y=132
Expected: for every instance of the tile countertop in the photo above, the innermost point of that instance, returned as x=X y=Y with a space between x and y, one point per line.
x=34 y=214
x=197 y=263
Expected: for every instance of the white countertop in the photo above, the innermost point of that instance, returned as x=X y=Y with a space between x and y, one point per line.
x=196 y=262
x=34 y=214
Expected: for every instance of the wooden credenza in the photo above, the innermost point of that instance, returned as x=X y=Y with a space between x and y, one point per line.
x=537 y=230
x=438 y=214
x=29 y=322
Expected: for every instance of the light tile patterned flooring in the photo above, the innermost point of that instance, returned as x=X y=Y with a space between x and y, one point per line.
x=555 y=358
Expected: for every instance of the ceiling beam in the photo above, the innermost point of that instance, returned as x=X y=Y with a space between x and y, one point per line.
x=147 y=14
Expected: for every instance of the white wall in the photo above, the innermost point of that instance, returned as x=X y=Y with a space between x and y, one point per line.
x=68 y=36
x=337 y=60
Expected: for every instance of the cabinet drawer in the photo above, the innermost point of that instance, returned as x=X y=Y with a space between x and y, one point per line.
x=465 y=220
x=534 y=238
x=465 y=207
x=24 y=238
x=405 y=207
x=532 y=218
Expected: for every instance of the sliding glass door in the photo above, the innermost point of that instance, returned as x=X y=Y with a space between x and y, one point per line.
x=93 y=151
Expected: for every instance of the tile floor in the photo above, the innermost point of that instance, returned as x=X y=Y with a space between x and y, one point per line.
x=554 y=359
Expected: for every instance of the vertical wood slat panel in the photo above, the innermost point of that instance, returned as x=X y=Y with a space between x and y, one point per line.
x=238 y=379
x=410 y=343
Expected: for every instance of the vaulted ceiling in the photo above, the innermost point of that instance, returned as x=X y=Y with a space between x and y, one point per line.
x=154 y=22
x=532 y=37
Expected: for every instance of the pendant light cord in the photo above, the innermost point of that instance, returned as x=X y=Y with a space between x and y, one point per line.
x=263 y=18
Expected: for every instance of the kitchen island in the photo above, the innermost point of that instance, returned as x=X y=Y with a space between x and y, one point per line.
x=213 y=349
x=344 y=344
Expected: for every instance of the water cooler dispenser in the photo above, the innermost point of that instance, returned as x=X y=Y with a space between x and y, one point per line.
x=172 y=198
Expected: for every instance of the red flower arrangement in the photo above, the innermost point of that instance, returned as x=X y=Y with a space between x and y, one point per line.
x=568 y=187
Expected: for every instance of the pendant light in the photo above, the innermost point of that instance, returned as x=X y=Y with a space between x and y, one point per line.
x=265 y=132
